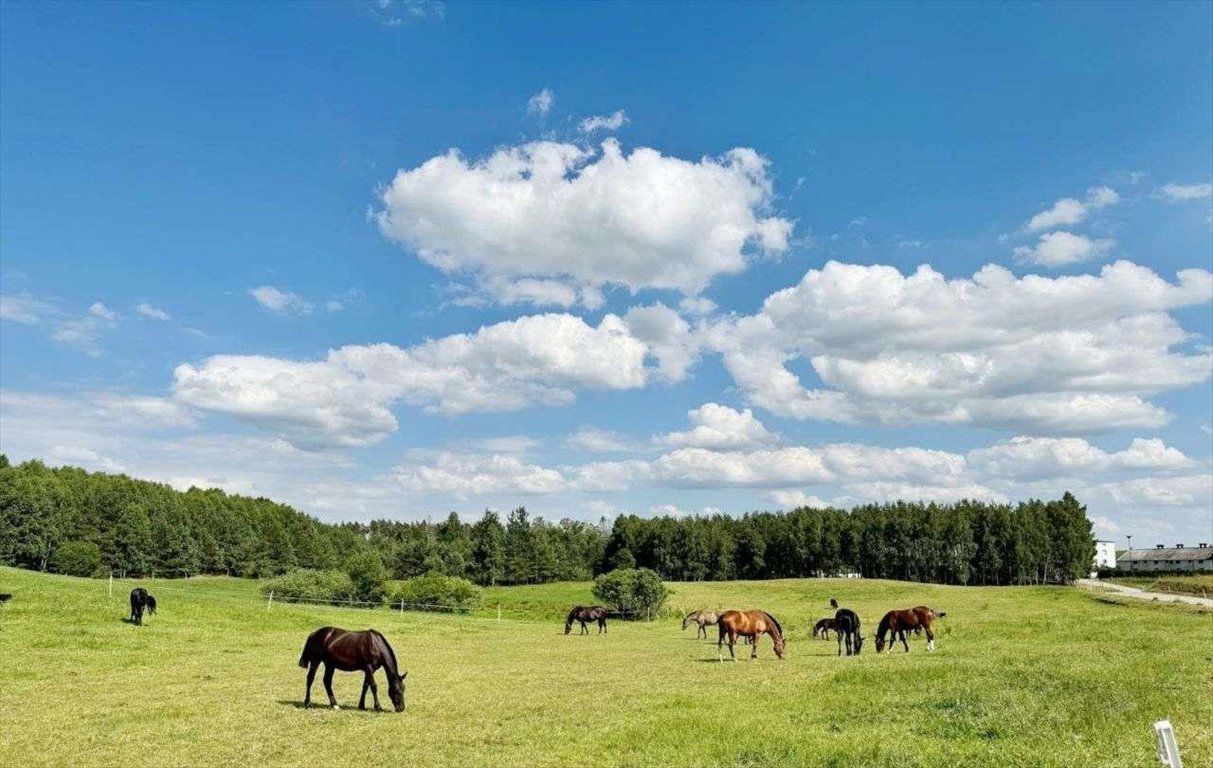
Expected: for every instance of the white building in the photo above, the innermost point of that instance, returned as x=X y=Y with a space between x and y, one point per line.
x=1105 y=554
x=1177 y=558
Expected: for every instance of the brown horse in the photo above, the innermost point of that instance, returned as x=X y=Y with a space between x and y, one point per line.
x=750 y=624
x=583 y=614
x=895 y=624
x=822 y=628
x=352 y=652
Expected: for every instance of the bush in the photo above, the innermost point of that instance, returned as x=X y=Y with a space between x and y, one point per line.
x=78 y=558
x=435 y=592
x=303 y=584
x=368 y=574
x=635 y=592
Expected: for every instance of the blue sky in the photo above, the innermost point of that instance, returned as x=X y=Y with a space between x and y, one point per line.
x=371 y=258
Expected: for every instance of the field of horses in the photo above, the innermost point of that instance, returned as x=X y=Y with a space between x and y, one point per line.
x=1022 y=676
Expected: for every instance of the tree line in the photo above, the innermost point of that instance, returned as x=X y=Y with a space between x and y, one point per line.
x=139 y=527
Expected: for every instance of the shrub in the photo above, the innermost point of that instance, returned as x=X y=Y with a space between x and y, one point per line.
x=435 y=592
x=368 y=574
x=303 y=584
x=635 y=592
x=78 y=558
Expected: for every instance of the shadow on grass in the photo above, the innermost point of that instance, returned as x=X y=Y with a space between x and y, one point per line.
x=322 y=706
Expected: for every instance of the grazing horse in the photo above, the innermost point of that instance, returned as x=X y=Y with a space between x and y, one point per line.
x=895 y=624
x=822 y=628
x=846 y=627
x=583 y=614
x=703 y=619
x=750 y=624
x=5 y=597
x=140 y=600
x=348 y=651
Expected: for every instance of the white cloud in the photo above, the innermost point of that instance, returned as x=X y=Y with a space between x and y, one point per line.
x=1032 y=354
x=147 y=310
x=1068 y=211
x=943 y=494
x=280 y=301
x=505 y=444
x=557 y=214
x=99 y=310
x=85 y=332
x=718 y=426
x=1177 y=193
x=611 y=122
x=600 y=441
x=1055 y=249
x=471 y=475
x=1182 y=491
x=25 y=309
x=332 y=305
x=345 y=399
x=1038 y=457
x=541 y=103
x=697 y=306
x=792 y=499
x=668 y=337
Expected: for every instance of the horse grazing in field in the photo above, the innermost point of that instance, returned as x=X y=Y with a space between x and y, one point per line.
x=5 y=597
x=584 y=614
x=749 y=624
x=822 y=628
x=846 y=627
x=141 y=600
x=895 y=624
x=703 y=619
x=348 y=651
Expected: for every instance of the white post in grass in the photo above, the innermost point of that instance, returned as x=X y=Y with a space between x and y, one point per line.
x=111 y=585
x=1168 y=749
x=498 y=613
x=402 y=606
x=270 y=604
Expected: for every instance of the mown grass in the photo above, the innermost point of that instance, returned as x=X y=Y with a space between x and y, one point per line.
x=1199 y=584
x=1023 y=676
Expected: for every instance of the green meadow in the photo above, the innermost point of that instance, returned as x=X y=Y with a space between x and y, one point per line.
x=1022 y=676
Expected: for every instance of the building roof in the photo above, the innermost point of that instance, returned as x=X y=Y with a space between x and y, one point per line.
x=1172 y=553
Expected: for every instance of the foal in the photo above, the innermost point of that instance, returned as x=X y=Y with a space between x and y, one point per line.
x=703 y=619
x=822 y=628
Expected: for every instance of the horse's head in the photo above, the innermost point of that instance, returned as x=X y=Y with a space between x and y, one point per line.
x=879 y=643
x=859 y=643
x=395 y=690
x=568 y=625
x=151 y=604
x=778 y=647
x=686 y=619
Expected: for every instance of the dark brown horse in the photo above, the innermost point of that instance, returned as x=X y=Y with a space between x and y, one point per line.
x=750 y=624
x=363 y=652
x=895 y=624
x=583 y=614
x=846 y=627
x=822 y=628
x=141 y=600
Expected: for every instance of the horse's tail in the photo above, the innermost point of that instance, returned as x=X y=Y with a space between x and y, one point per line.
x=938 y=614
x=305 y=658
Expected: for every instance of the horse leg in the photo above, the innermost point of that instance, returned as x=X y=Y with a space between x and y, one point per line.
x=585 y=630
x=732 y=642
x=901 y=633
x=930 y=639
x=602 y=625
x=838 y=636
x=719 y=644
x=329 y=669
x=311 y=675
x=366 y=683
x=370 y=680
x=754 y=648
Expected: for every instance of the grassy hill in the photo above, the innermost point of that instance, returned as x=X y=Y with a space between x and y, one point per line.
x=1022 y=676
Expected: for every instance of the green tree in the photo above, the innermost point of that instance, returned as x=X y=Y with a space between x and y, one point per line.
x=78 y=558
x=368 y=575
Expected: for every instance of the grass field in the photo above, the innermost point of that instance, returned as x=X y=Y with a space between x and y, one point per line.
x=1199 y=584
x=1022 y=676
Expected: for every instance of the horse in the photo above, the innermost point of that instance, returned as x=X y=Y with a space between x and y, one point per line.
x=703 y=619
x=846 y=627
x=583 y=614
x=895 y=624
x=140 y=600
x=822 y=628
x=5 y=597
x=340 y=649
x=748 y=624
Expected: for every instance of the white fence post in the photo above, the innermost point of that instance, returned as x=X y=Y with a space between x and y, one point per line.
x=111 y=585
x=498 y=613
x=270 y=604
x=402 y=606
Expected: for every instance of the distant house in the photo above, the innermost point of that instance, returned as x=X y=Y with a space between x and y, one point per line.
x=1105 y=555
x=1177 y=558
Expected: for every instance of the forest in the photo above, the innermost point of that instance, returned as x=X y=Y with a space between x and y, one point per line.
x=69 y=520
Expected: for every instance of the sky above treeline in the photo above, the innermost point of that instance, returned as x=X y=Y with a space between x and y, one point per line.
x=394 y=259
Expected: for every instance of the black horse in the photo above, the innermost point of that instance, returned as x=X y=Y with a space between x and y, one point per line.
x=846 y=627
x=348 y=651
x=586 y=613
x=140 y=600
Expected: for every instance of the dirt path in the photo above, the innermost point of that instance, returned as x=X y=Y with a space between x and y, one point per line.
x=1162 y=597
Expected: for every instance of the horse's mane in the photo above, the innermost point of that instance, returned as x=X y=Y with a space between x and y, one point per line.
x=884 y=624
x=390 y=652
x=775 y=622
